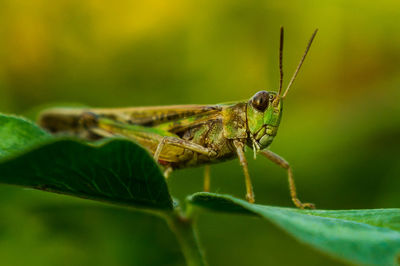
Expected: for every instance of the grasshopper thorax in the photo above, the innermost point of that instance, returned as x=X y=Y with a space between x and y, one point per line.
x=264 y=111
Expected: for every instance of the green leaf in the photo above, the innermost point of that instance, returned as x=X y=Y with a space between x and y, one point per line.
x=360 y=236
x=116 y=171
x=17 y=133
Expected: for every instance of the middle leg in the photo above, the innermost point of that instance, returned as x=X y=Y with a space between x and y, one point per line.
x=183 y=144
x=207 y=178
x=243 y=162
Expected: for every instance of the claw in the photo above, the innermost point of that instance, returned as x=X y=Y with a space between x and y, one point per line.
x=250 y=198
x=303 y=206
x=310 y=206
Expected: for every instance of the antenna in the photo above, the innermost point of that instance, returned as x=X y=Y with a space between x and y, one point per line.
x=300 y=63
x=280 y=62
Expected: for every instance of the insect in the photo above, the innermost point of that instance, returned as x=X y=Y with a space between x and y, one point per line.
x=181 y=136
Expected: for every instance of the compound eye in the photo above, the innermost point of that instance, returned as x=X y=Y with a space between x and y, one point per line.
x=260 y=101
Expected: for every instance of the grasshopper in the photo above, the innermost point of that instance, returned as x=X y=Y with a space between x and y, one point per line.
x=181 y=136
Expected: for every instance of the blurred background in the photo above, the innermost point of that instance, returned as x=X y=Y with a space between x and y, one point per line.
x=340 y=127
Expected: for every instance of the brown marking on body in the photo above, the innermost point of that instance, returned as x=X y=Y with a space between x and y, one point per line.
x=235 y=121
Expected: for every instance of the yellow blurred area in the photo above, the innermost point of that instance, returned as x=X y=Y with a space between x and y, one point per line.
x=340 y=128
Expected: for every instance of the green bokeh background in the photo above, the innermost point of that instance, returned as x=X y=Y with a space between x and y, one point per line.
x=340 y=127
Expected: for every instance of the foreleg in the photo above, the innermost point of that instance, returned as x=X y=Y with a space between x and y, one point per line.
x=292 y=187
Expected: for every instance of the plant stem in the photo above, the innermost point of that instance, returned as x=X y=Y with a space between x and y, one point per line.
x=185 y=231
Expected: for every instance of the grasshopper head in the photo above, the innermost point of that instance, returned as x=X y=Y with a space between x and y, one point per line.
x=264 y=111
